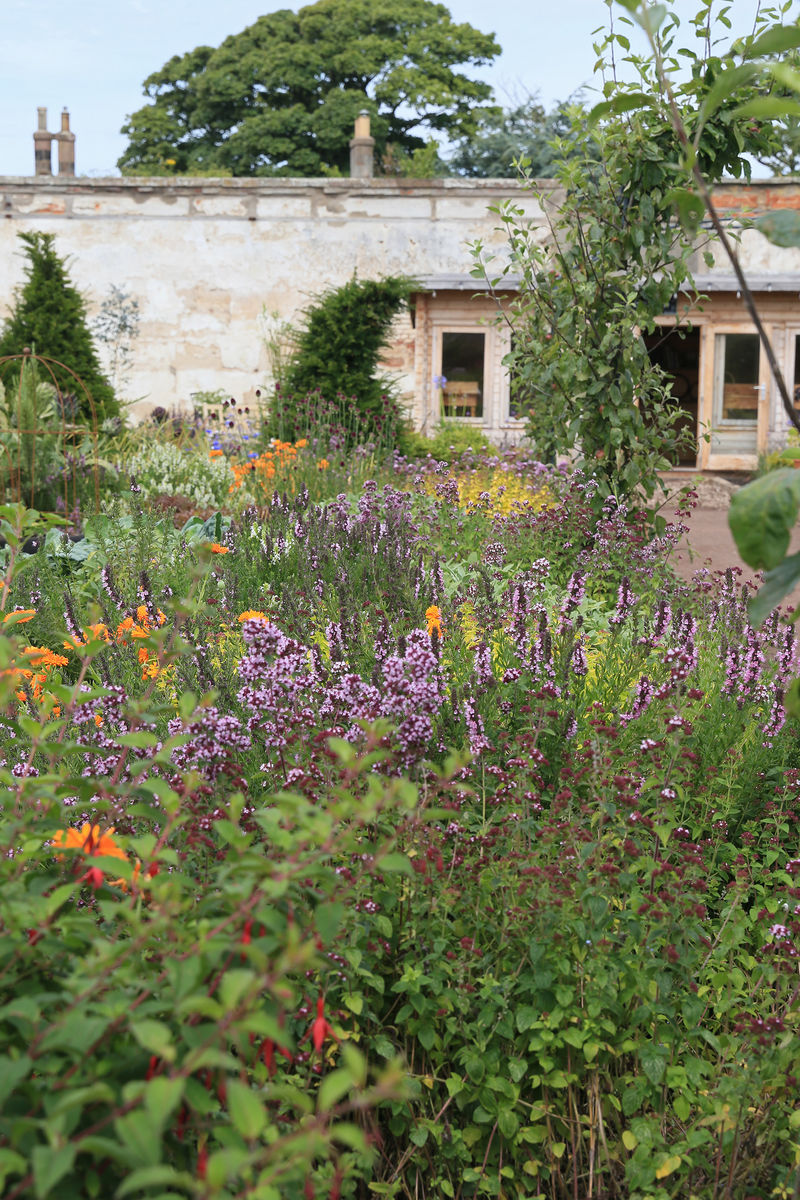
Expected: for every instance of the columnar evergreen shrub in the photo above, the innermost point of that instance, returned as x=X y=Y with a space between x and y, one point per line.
x=49 y=315
x=337 y=354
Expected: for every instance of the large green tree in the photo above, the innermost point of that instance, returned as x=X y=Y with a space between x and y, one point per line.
x=280 y=97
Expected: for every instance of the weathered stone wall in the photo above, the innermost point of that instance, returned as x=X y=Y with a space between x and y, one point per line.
x=206 y=258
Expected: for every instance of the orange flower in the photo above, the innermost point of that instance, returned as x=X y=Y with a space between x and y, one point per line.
x=301 y=445
x=217 y=549
x=323 y=464
x=214 y=453
x=434 y=619
x=40 y=656
x=20 y=616
x=251 y=614
x=90 y=840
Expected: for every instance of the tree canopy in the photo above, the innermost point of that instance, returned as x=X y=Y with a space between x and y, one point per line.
x=280 y=98
x=525 y=130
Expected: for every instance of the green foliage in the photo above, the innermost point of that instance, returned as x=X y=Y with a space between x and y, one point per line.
x=49 y=317
x=580 y=370
x=579 y=365
x=281 y=96
x=448 y=442
x=337 y=354
x=525 y=131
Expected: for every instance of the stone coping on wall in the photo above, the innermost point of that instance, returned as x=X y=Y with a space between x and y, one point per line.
x=266 y=184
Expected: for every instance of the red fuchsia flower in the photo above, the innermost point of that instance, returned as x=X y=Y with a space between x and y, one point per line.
x=320 y=1028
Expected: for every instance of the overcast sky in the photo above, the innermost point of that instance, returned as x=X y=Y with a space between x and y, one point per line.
x=93 y=55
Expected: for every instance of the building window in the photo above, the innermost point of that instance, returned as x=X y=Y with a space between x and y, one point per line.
x=736 y=382
x=463 y=371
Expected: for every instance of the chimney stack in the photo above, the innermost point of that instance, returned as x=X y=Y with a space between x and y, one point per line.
x=362 y=148
x=41 y=146
x=66 y=146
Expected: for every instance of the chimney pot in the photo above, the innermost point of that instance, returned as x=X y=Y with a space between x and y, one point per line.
x=362 y=148
x=66 y=146
x=42 y=144
x=362 y=124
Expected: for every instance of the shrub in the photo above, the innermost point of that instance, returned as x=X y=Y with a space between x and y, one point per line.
x=337 y=355
x=49 y=316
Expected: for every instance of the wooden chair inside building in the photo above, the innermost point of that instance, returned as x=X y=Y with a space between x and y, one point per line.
x=741 y=398
x=462 y=398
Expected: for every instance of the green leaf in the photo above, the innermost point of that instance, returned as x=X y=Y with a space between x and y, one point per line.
x=767 y=108
x=426 y=1036
x=762 y=515
x=334 y=1086
x=12 y=1071
x=791 y=700
x=395 y=863
x=141 y=1137
x=778 y=583
x=726 y=83
x=475 y=1068
x=773 y=41
x=156 y=1037
x=11 y=1163
x=50 y=1164
x=149 y=1177
x=653 y=1063
x=526 y=1017
x=618 y=106
x=162 y=1096
x=245 y=1109
x=782 y=228
x=689 y=206
x=328 y=918
x=507 y=1122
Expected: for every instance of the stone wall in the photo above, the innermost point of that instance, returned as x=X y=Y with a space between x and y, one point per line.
x=206 y=258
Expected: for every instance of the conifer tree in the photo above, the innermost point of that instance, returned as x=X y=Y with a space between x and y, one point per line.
x=49 y=316
x=337 y=354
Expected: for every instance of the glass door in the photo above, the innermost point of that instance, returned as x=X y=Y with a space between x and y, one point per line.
x=739 y=394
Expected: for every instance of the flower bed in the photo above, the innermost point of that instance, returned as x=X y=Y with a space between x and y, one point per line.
x=427 y=841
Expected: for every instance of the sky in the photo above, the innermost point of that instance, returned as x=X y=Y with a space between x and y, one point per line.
x=92 y=56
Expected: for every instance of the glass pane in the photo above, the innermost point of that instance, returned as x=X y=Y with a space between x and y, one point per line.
x=737 y=388
x=462 y=373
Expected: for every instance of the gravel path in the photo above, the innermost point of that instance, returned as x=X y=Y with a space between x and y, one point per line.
x=709 y=542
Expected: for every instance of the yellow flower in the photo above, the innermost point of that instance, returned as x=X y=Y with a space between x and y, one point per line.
x=252 y=614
